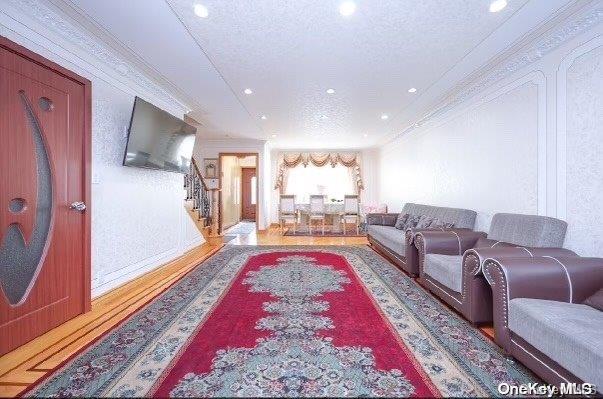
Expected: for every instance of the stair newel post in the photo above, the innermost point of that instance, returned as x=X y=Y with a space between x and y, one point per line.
x=214 y=211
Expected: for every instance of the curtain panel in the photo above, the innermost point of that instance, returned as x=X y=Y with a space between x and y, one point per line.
x=289 y=160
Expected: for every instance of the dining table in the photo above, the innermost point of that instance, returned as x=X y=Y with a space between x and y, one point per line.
x=333 y=211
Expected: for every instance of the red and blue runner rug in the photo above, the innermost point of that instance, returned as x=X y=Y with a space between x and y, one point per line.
x=289 y=321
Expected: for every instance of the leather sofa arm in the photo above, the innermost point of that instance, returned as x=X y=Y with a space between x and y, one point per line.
x=477 y=256
x=378 y=218
x=565 y=279
x=412 y=232
x=453 y=242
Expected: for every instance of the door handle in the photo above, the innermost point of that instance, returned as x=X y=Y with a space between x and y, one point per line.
x=78 y=206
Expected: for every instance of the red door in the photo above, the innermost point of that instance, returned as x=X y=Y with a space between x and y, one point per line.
x=44 y=226
x=249 y=193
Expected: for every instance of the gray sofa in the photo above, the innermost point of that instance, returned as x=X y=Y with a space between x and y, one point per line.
x=545 y=315
x=398 y=245
x=451 y=262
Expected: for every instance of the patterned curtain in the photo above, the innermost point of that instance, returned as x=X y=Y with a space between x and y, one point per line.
x=289 y=160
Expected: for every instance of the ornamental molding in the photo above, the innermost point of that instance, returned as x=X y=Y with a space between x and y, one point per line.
x=536 y=50
x=83 y=40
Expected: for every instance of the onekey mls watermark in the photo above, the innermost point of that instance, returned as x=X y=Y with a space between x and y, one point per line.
x=536 y=389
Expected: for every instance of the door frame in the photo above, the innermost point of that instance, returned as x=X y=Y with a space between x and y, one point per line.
x=256 y=191
x=221 y=155
x=21 y=51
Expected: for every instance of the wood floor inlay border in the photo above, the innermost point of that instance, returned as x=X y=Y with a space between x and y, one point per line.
x=27 y=364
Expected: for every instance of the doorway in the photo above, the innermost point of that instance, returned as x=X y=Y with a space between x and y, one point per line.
x=249 y=194
x=239 y=190
x=44 y=191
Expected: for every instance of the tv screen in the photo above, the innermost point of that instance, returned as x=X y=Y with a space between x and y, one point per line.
x=158 y=140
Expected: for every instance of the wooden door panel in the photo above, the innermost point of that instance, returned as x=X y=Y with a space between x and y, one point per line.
x=248 y=211
x=44 y=259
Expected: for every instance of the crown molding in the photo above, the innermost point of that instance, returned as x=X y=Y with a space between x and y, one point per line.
x=567 y=26
x=84 y=40
x=89 y=23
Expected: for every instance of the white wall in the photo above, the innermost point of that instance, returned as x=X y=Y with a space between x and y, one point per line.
x=212 y=148
x=531 y=142
x=138 y=219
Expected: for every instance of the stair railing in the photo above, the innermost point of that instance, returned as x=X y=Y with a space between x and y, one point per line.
x=204 y=199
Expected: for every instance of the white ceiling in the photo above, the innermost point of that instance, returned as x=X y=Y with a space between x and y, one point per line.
x=290 y=52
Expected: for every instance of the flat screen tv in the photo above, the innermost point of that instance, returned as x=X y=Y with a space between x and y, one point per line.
x=158 y=140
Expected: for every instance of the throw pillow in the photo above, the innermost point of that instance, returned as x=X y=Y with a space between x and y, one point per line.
x=401 y=221
x=412 y=221
x=426 y=222
x=595 y=300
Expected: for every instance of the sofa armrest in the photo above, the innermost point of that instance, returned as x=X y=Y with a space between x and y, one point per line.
x=453 y=242
x=378 y=218
x=564 y=279
x=477 y=256
x=412 y=232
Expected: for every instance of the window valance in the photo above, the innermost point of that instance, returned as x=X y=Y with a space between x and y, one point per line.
x=293 y=159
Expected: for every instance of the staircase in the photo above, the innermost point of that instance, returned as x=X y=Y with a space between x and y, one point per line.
x=201 y=204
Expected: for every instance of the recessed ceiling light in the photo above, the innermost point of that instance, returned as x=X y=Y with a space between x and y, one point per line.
x=497 y=5
x=248 y=91
x=347 y=8
x=330 y=91
x=384 y=117
x=366 y=135
x=412 y=90
x=274 y=135
x=263 y=117
x=201 y=10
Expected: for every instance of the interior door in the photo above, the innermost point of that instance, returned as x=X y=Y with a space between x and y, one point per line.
x=44 y=226
x=248 y=193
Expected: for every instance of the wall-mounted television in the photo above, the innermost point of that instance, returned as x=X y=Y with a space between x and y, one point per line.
x=158 y=140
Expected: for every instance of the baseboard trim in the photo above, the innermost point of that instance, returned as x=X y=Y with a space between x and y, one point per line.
x=154 y=270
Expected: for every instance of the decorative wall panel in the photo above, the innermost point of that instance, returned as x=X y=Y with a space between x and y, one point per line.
x=484 y=158
x=584 y=146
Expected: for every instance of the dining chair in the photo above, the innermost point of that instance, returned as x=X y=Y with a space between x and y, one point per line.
x=317 y=211
x=287 y=211
x=351 y=211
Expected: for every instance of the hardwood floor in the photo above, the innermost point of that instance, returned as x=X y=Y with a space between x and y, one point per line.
x=25 y=365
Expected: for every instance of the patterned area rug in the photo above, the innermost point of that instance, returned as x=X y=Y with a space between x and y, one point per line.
x=289 y=321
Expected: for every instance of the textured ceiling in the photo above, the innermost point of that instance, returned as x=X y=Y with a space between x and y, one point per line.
x=290 y=52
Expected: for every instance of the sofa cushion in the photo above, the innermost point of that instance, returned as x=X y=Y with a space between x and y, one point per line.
x=528 y=230
x=390 y=237
x=570 y=334
x=389 y=220
x=427 y=221
x=445 y=269
x=461 y=218
x=595 y=300
x=401 y=221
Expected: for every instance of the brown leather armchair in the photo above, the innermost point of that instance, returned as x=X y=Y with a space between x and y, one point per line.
x=539 y=317
x=450 y=263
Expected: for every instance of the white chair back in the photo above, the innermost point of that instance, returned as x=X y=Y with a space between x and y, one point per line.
x=287 y=204
x=351 y=205
x=317 y=204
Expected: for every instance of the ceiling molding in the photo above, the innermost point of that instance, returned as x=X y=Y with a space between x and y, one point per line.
x=90 y=24
x=522 y=55
x=82 y=39
x=567 y=26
